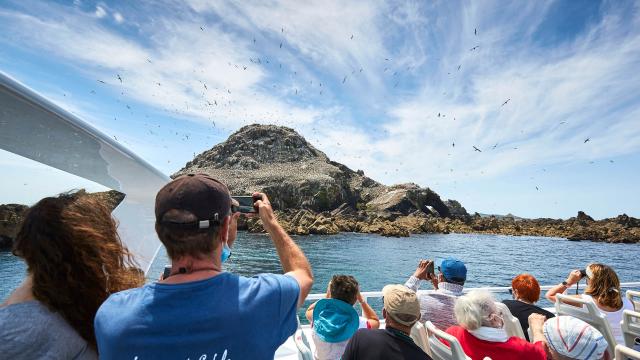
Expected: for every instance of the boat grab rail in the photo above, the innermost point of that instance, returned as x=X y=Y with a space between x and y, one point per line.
x=498 y=289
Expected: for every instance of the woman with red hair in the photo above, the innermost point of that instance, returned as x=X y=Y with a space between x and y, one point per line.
x=526 y=292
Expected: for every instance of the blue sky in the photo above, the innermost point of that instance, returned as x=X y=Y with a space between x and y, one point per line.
x=386 y=87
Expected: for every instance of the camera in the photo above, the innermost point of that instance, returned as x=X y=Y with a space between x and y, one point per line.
x=245 y=204
x=583 y=273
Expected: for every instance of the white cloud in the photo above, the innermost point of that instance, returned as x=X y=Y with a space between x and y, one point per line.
x=118 y=17
x=559 y=97
x=560 y=94
x=196 y=75
x=100 y=12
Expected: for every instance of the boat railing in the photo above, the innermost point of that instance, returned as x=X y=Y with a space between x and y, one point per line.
x=499 y=289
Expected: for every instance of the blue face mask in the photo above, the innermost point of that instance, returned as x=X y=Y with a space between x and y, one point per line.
x=226 y=252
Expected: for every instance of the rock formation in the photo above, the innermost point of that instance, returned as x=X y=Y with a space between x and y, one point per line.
x=10 y=218
x=314 y=195
x=11 y=215
x=296 y=175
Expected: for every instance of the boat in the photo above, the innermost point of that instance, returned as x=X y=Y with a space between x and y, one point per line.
x=36 y=128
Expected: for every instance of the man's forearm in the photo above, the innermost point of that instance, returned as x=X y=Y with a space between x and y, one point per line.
x=291 y=257
x=368 y=311
x=413 y=283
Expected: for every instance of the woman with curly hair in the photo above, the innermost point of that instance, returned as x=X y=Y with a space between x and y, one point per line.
x=75 y=260
x=603 y=289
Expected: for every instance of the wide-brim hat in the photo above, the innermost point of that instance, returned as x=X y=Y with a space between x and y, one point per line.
x=334 y=320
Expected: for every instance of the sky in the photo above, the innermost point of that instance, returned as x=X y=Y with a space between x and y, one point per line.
x=524 y=107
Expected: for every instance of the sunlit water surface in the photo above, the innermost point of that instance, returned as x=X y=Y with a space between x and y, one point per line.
x=492 y=260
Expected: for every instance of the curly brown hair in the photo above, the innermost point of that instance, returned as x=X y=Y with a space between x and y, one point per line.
x=76 y=258
x=604 y=286
x=345 y=288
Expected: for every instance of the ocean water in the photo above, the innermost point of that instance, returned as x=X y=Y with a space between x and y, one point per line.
x=492 y=260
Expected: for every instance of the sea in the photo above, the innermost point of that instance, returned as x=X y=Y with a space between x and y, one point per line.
x=375 y=261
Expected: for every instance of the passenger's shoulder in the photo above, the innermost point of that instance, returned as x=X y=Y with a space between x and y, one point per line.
x=370 y=333
x=276 y=280
x=123 y=297
x=455 y=330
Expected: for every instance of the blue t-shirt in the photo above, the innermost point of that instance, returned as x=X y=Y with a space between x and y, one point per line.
x=226 y=317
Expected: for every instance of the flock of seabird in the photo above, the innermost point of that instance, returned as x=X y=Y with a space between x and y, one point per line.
x=259 y=61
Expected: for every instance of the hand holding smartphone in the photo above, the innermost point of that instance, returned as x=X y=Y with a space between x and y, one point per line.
x=245 y=205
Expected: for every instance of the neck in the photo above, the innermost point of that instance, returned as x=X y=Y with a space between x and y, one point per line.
x=22 y=294
x=187 y=269
x=403 y=328
x=525 y=301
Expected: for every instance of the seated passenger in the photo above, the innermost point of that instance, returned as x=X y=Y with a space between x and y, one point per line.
x=481 y=331
x=401 y=311
x=74 y=261
x=437 y=305
x=199 y=311
x=334 y=320
x=603 y=289
x=526 y=292
x=571 y=338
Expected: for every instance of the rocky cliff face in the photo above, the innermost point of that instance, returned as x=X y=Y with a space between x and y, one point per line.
x=10 y=218
x=314 y=195
x=296 y=175
x=11 y=215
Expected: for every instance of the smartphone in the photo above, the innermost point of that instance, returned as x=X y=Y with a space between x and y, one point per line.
x=167 y=272
x=430 y=269
x=245 y=204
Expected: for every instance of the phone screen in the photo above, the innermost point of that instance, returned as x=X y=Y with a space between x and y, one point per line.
x=245 y=204
x=167 y=272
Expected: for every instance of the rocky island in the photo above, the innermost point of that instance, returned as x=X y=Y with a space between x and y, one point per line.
x=315 y=195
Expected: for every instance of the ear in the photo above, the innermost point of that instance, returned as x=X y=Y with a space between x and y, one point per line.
x=223 y=234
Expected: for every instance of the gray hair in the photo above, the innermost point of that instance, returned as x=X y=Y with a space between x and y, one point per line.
x=474 y=309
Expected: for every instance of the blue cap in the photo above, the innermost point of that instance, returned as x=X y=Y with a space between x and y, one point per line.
x=334 y=320
x=453 y=269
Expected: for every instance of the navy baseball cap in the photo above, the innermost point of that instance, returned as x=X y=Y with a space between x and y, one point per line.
x=199 y=194
x=453 y=269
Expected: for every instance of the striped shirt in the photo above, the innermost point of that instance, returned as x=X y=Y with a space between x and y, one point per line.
x=437 y=305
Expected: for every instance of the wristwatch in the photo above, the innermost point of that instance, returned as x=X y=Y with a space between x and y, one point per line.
x=564 y=283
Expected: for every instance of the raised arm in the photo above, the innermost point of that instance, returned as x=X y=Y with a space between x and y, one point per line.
x=536 y=324
x=293 y=261
x=572 y=279
x=420 y=274
x=369 y=313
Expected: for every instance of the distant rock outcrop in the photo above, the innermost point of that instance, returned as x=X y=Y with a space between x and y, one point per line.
x=296 y=175
x=314 y=195
x=11 y=215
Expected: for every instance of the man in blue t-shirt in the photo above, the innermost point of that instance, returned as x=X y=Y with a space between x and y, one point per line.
x=199 y=311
